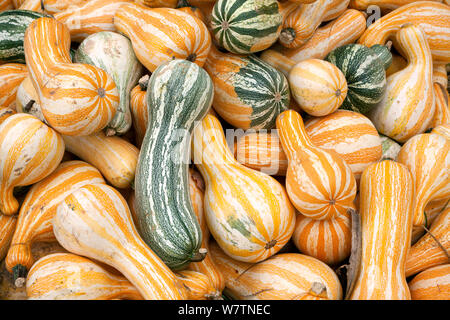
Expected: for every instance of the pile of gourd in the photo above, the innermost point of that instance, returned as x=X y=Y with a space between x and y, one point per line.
x=229 y=149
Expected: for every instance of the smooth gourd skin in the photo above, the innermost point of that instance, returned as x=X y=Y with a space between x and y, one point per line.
x=11 y=76
x=179 y=94
x=431 y=284
x=7 y=227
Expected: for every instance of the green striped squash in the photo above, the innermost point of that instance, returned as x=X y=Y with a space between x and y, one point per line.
x=13 y=24
x=179 y=94
x=246 y=26
x=365 y=74
x=114 y=53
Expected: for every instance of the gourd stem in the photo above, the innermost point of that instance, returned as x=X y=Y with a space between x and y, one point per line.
x=287 y=36
x=110 y=132
x=200 y=255
x=143 y=82
x=19 y=275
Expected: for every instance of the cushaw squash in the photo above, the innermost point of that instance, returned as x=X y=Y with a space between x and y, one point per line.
x=7 y=227
x=431 y=284
x=179 y=93
x=29 y=152
x=11 y=76
x=248 y=212
x=284 y=276
x=37 y=211
x=75 y=99
x=179 y=36
x=95 y=222
x=386 y=198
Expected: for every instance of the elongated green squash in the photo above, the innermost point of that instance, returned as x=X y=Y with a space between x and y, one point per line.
x=179 y=93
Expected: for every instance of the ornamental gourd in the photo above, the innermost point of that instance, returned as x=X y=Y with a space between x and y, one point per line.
x=75 y=99
x=6 y=5
x=6 y=113
x=138 y=107
x=431 y=284
x=168 y=34
x=441 y=96
x=442 y=130
x=11 y=76
x=386 y=198
x=385 y=5
x=49 y=6
x=159 y=3
x=248 y=212
x=30 y=152
x=27 y=100
x=7 y=227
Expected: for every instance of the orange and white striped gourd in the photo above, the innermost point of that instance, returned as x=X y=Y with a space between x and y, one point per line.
x=66 y=276
x=442 y=130
x=441 y=95
x=386 y=196
x=75 y=99
x=285 y=276
x=382 y=4
x=427 y=156
x=6 y=5
x=38 y=209
x=29 y=152
x=50 y=6
x=248 y=212
x=7 y=227
x=432 y=17
x=432 y=210
x=408 y=105
x=11 y=76
x=113 y=156
x=95 y=222
x=6 y=113
x=431 y=284
x=138 y=108
x=27 y=100
x=159 y=3
x=180 y=36
x=198 y=285
x=318 y=86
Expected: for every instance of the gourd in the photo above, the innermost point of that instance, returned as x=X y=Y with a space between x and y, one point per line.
x=432 y=17
x=113 y=156
x=248 y=93
x=246 y=26
x=194 y=11
x=384 y=5
x=138 y=107
x=390 y=148
x=38 y=209
x=49 y=6
x=431 y=175
x=7 y=227
x=165 y=215
x=114 y=54
x=318 y=86
x=400 y=114
x=6 y=113
x=158 y=3
x=285 y=276
x=66 y=276
x=169 y=34
x=83 y=111
x=248 y=212
x=6 y=5
x=386 y=196
x=199 y=286
x=398 y=63
x=441 y=96
x=27 y=100
x=95 y=222
x=11 y=75
x=30 y=152
x=431 y=284
x=442 y=130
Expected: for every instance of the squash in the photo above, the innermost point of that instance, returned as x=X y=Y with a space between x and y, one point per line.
x=158 y=3
x=385 y=5
x=285 y=276
x=398 y=63
x=6 y=113
x=442 y=130
x=432 y=17
x=71 y=112
x=6 y=5
x=431 y=175
x=7 y=227
x=36 y=213
x=30 y=152
x=401 y=115
x=441 y=95
x=390 y=148
x=113 y=156
x=386 y=198
x=248 y=93
x=248 y=212
x=49 y=6
x=199 y=286
x=11 y=75
x=432 y=210
x=246 y=26
x=180 y=36
x=318 y=86
x=165 y=215
x=138 y=107
x=431 y=284
x=114 y=54
x=194 y=11
x=107 y=234
x=66 y=276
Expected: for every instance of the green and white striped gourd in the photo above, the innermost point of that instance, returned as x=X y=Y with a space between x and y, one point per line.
x=179 y=94
x=114 y=53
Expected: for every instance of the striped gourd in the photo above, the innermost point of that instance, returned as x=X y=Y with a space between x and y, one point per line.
x=248 y=212
x=390 y=148
x=6 y=113
x=431 y=284
x=138 y=107
x=7 y=227
x=159 y=3
x=432 y=210
x=432 y=17
x=246 y=26
x=386 y=198
x=385 y=5
x=49 y=6
x=440 y=74
x=107 y=234
x=180 y=36
x=194 y=11
x=113 y=156
x=248 y=92
x=401 y=115
x=83 y=111
x=318 y=86
x=166 y=218
x=442 y=130
x=29 y=152
x=441 y=96
x=27 y=100
x=66 y=276
x=198 y=285
x=11 y=75
x=114 y=54
x=6 y=5
x=38 y=209
x=285 y=276
x=427 y=156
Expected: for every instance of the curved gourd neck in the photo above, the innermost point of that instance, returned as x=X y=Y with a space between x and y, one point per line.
x=414 y=44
